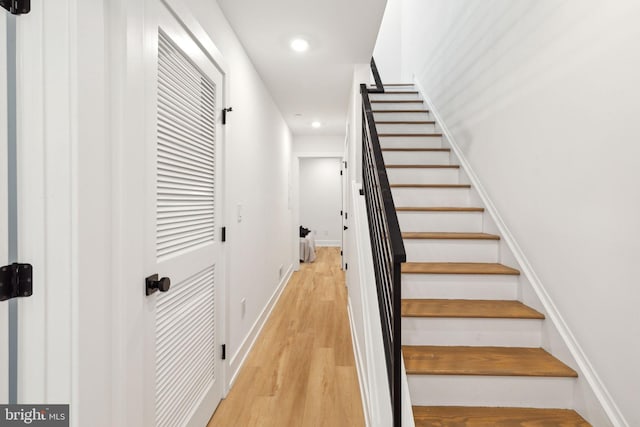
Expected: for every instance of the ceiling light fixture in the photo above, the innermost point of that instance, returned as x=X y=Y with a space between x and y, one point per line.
x=316 y=125
x=299 y=45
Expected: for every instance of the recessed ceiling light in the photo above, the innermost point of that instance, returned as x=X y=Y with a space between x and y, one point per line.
x=299 y=45
x=316 y=125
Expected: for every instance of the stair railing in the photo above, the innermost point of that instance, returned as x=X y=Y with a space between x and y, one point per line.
x=386 y=244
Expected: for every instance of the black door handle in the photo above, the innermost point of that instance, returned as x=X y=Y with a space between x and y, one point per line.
x=345 y=228
x=152 y=284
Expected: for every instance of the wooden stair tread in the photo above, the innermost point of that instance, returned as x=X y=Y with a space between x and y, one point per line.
x=438 y=209
x=400 y=92
x=418 y=149
x=423 y=166
x=492 y=361
x=393 y=84
x=397 y=101
x=457 y=268
x=399 y=111
x=430 y=185
x=406 y=122
x=447 y=235
x=460 y=308
x=467 y=416
x=409 y=135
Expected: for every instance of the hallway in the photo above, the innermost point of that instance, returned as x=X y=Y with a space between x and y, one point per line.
x=301 y=371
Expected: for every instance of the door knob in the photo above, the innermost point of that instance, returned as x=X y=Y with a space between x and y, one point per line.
x=345 y=228
x=152 y=284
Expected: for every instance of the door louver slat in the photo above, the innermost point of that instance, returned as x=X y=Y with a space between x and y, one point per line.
x=186 y=124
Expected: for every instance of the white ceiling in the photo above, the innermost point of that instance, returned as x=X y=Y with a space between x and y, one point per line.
x=316 y=83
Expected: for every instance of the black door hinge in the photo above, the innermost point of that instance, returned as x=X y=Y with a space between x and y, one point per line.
x=224 y=351
x=361 y=192
x=224 y=114
x=17 y=7
x=346 y=215
x=16 y=280
x=224 y=234
x=345 y=164
x=340 y=253
x=346 y=266
x=341 y=213
x=340 y=173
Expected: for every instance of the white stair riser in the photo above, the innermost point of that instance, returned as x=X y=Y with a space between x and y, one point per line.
x=405 y=128
x=471 y=332
x=476 y=390
x=440 y=221
x=423 y=176
x=385 y=106
x=450 y=250
x=416 y=157
x=411 y=142
x=431 y=196
x=394 y=96
x=401 y=116
x=459 y=286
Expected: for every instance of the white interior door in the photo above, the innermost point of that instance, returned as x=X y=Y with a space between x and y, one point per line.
x=184 y=242
x=4 y=237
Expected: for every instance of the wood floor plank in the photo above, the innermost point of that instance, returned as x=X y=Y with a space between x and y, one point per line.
x=492 y=361
x=460 y=416
x=301 y=371
x=457 y=268
x=449 y=236
x=460 y=308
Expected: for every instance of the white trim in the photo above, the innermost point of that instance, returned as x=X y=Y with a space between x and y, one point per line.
x=362 y=378
x=238 y=359
x=585 y=367
x=198 y=34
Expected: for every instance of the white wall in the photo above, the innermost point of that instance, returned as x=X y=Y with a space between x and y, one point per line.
x=542 y=97
x=388 y=49
x=318 y=145
x=321 y=198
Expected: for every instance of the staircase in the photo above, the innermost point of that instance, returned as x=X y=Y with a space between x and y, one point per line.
x=472 y=352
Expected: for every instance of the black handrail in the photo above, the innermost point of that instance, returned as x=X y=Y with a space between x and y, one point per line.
x=376 y=77
x=386 y=245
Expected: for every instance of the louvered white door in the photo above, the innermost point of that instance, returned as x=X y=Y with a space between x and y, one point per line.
x=186 y=319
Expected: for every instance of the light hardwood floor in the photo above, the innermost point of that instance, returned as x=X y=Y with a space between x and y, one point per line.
x=301 y=371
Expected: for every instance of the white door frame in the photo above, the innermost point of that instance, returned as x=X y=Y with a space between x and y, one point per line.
x=4 y=237
x=295 y=177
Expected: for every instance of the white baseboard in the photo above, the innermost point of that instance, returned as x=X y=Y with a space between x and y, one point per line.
x=359 y=367
x=330 y=243
x=585 y=368
x=238 y=359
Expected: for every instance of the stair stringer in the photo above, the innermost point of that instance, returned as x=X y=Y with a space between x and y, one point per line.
x=590 y=396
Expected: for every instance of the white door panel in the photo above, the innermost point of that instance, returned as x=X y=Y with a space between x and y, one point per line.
x=184 y=171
